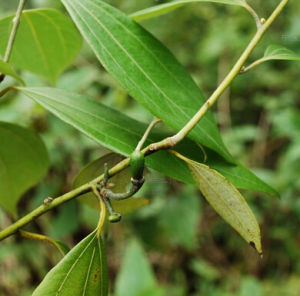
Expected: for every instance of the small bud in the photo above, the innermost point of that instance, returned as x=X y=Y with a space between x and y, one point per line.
x=262 y=21
x=114 y=218
x=48 y=200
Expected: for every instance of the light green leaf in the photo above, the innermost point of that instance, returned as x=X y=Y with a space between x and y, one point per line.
x=180 y=218
x=274 y=52
x=46 y=43
x=82 y=272
x=23 y=163
x=120 y=134
x=7 y=69
x=136 y=276
x=167 y=7
x=227 y=202
x=146 y=69
x=121 y=180
x=277 y=52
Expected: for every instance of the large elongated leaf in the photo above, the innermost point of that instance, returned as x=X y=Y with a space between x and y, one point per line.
x=145 y=68
x=7 y=69
x=46 y=42
x=227 y=202
x=23 y=163
x=121 y=134
x=121 y=180
x=167 y=7
x=82 y=272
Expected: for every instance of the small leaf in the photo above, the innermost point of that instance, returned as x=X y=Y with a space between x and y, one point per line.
x=121 y=180
x=82 y=272
x=227 y=202
x=136 y=276
x=46 y=43
x=277 y=52
x=7 y=69
x=23 y=163
x=167 y=7
x=146 y=69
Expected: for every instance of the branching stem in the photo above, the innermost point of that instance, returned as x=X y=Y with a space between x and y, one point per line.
x=164 y=144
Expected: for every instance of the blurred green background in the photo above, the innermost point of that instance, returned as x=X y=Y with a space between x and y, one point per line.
x=177 y=246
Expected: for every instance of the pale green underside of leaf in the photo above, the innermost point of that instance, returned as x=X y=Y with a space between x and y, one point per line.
x=46 y=43
x=277 y=52
x=82 y=272
x=168 y=7
x=23 y=163
x=146 y=69
x=120 y=181
x=119 y=133
x=7 y=69
x=227 y=202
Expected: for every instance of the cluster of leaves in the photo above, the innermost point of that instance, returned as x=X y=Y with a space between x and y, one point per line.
x=157 y=81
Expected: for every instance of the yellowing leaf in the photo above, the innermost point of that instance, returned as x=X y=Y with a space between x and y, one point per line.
x=82 y=272
x=227 y=202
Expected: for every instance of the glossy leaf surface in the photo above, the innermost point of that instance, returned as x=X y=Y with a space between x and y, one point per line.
x=46 y=42
x=23 y=163
x=120 y=133
x=146 y=69
x=82 y=272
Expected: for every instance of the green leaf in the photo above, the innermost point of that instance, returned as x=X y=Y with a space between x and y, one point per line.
x=121 y=180
x=136 y=276
x=23 y=163
x=238 y=175
x=119 y=133
x=167 y=7
x=277 y=52
x=146 y=69
x=62 y=247
x=46 y=43
x=180 y=218
x=7 y=69
x=83 y=271
x=227 y=202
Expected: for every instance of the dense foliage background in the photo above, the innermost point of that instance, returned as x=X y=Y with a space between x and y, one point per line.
x=177 y=243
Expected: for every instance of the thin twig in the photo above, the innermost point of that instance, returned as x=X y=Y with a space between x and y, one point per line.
x=13 y=33
x=154 y=122
x=164 y=144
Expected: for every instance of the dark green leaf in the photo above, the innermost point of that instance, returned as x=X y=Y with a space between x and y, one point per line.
x=46 y=43
x=227 y=202
x=167 y=7
x=136 y=276
x=82 y=272
x=121 y=134
x=121 y=180
x=23 y=163
x=145 y=68
x=7 y=69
